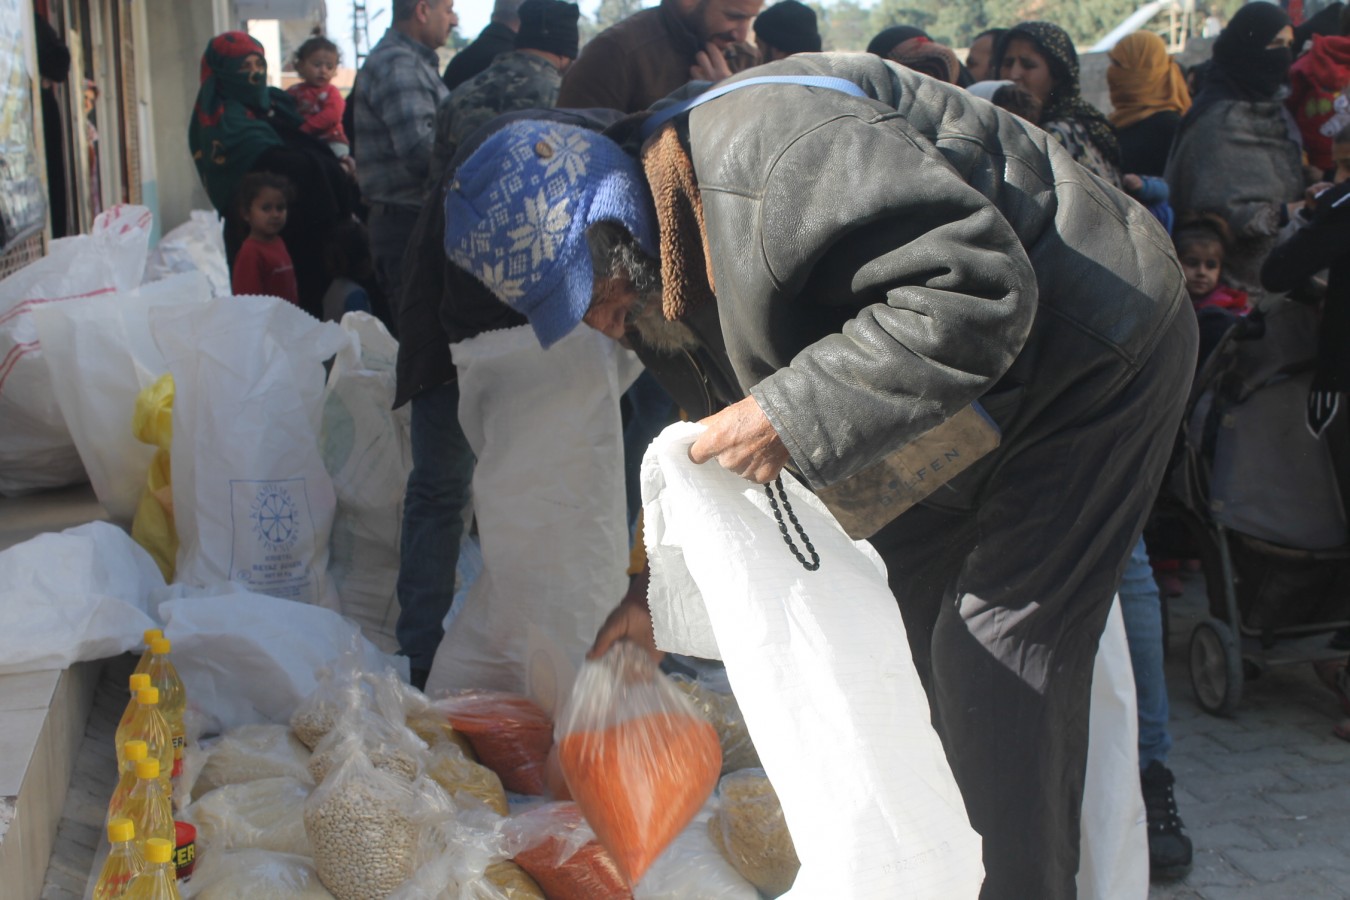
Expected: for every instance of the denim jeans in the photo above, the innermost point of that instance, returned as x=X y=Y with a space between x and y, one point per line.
x=1142 y=609
x=433 y=522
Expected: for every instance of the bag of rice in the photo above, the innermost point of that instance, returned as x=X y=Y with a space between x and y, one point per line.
x=250 y=753
x=748 y=828
x=265 y=814
x=255 y=874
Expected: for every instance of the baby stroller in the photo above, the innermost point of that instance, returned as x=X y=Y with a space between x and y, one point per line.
x=1262 y=504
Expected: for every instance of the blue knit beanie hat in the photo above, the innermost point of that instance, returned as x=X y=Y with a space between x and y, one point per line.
x=517 y=211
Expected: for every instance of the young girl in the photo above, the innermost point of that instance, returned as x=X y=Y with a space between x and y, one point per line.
x=1201 y=241
x=263 y=265
x=319 y=102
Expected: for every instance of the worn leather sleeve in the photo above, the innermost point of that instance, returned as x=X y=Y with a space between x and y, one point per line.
x=922 y=286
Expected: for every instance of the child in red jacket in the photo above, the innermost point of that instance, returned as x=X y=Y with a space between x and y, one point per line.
x=321 y=105
x=264 y=265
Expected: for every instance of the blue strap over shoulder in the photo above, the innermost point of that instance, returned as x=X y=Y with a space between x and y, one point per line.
x=843 y=85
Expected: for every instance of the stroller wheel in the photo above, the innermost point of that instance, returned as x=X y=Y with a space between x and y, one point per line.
x=1216 y=668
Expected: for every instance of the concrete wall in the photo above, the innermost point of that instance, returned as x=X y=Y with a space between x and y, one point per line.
x=178 y=31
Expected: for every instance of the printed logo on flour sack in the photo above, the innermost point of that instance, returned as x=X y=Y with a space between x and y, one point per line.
x=275 y=521
x=273 y=538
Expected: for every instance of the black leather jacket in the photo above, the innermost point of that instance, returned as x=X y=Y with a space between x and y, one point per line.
x=882 y=263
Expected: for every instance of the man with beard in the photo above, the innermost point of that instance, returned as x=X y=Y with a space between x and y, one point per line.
x=631 y=65
x=846 y=261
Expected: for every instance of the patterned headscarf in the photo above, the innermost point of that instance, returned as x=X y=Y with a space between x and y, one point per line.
x=1144 y=80
x=230 y=127
x=1065 y=103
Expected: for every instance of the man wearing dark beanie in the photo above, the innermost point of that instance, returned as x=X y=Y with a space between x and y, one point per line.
x=786 y=28
x=526 y=78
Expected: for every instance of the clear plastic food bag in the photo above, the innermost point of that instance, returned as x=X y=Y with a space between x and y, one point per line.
x=692 y=867
x=251 y=753
x=360 y=824
x=748 y=829
x=510 y=734
x=470 y=784
x=390 y=746
x=721 y=709
x=318 y=713
x=255 y=874
x=637 y=756
x=265 y=814
x=556 y=847
x=394 y=697
x=455 y=849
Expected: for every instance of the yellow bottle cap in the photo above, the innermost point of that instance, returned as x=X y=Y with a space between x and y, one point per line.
x=139 y=680
x=148 y=696
x=121 y=830
x=147 y=769
x=136 y=750
x=158 y=851
x=150 y=634
x=160 y=646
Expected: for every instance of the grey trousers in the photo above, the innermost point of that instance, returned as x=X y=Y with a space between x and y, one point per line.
x=1004 y=600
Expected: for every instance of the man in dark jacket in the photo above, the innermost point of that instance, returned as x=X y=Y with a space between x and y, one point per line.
x=631 y=65
x=882 y=262
x=497 y=38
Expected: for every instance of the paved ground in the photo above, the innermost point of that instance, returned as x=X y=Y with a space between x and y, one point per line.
x=1265 y=795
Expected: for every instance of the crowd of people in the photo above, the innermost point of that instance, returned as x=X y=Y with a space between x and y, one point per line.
x=823 y=267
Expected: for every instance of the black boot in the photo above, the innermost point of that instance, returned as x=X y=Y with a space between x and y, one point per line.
x=1169 y=850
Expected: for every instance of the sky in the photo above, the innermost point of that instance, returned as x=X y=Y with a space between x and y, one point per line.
x=473 y=18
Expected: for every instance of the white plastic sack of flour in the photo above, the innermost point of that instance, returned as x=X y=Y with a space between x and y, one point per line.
x=36 y=450
x=100 y=356
x=198 y=245
x=367 y=450
x=1113 y=860
x=548 y=497
x=73 y=596
x=897 y=825
x=252 y=501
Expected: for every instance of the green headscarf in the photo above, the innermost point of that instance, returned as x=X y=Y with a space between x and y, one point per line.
x=231 y=123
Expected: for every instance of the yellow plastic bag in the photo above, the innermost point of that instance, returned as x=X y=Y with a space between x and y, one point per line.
x=153 y=527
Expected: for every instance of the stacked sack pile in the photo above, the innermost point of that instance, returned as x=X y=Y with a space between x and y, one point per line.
x=376 y=791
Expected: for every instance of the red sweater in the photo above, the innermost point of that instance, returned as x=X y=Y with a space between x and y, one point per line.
x=265 y=268
x=321 y=108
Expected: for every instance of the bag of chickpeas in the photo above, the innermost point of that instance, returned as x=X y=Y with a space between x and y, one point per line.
x=360 y=823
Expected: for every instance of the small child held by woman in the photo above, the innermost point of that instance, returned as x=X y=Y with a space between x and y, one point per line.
x=264 y=266
x=321 y=105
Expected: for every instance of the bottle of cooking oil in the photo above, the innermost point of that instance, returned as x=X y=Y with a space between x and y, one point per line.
x=149 y=636
x=137 y=681
x=135 y=752
x=172 y=697
x=147 y=724
x=148 y=806
x=158 y=880
x=123 y=864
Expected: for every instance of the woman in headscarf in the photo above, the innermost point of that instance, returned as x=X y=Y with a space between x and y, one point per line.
x=1149 y=96
x=1237 y=152
x=913 y=48
x=1039 y=57
x=240 y=125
